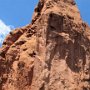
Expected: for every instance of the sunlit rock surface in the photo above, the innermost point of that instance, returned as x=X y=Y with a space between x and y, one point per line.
x=51 y=53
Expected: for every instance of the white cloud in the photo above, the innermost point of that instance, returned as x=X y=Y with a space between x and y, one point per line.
x=4 y=30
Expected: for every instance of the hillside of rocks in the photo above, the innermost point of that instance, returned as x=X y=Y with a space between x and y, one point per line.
x=51 y=53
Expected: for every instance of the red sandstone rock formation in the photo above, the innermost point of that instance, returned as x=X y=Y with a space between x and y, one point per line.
x=52 y=53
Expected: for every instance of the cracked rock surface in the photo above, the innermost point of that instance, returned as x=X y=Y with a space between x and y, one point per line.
x=51 y=53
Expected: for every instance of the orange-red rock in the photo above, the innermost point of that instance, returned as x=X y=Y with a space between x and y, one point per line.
x=52 y=53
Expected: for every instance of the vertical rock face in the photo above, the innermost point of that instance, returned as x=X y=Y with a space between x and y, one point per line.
x=52 y=53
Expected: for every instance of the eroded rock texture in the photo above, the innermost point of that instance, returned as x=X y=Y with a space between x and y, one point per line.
x=51 y=53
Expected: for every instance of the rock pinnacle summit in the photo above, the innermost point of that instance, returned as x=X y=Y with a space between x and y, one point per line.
x=51 y=53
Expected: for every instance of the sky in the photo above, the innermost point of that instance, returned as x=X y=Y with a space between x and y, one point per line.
x=84 y=8
x=18 y=13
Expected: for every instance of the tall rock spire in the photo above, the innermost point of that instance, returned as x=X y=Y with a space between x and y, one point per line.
x=51 y=53
x=64 y=7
